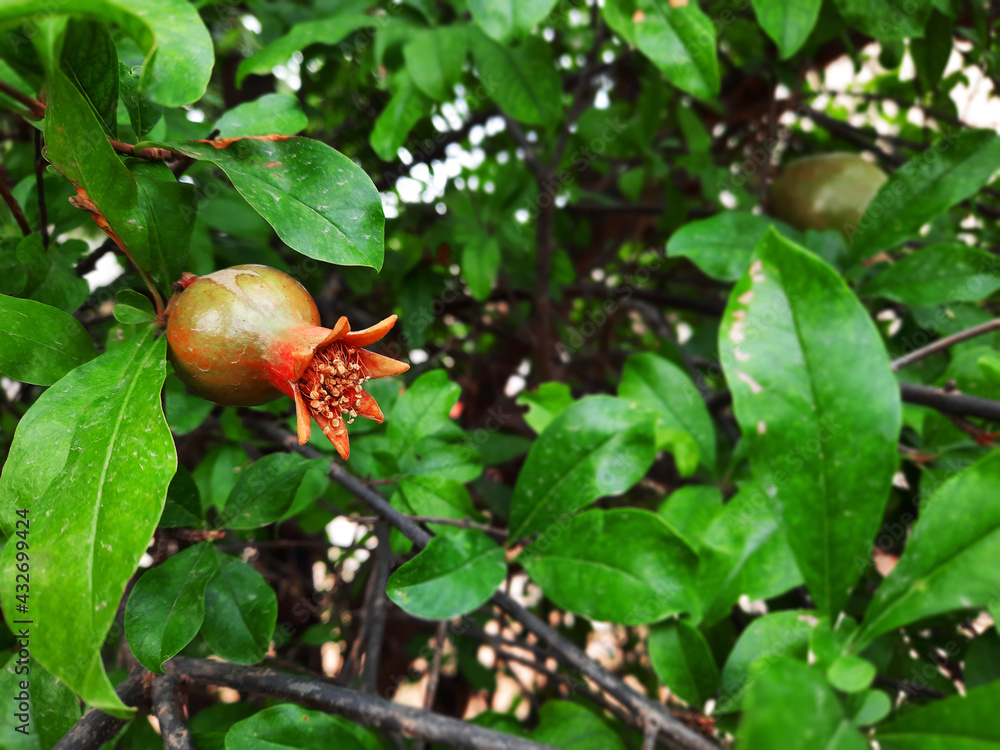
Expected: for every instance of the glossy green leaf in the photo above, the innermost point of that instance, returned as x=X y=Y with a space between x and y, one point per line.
x=938 y=273
x=663 y=387
x=322 y=31
x=598 y=446
x=272 y=113
x=406 y=108
x=788 y=22
x=545 y=403
x=90 y=464
x=240 y=612
x=422 y=410
x=683 y=661
x=570 y=725
x=167 y=605
x=452 y=575
x=507 y=20
x=185 y=411
x=786 y=688
x=38 y=343
x=680 y=40
x=480 y=265
x=521 y=79
x=435 y=59
x=69 y=122
x=624 y=566
x=689 y=510
x=265 y=491
x=930 y=183
x=720 y=245
x=950 y=560
x=91 y=62
x=51 y=278
x=744 y=553
x=319 y=202
x=183 y=506
x=170 y=208
x=132 y=315
x=884 y=19
x=850 y=673
x=170 y=32
x=768 y=639
x=290 y=727
x=143 y=112
x=51 y=707
x=869 y=707
x=791 y=336
x=931 y=53
x=956 y=723
x=438 y=497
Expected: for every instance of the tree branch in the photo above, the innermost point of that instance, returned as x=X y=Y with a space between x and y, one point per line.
x=170 y=714
x=96 y=727
x=43 y=211
x=35 y=107
x=951 y=403
x=376 y=609
x=15 y=209
x=942 y=344
x=368 y=710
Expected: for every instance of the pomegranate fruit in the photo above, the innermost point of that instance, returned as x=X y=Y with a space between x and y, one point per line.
x=249 y=334
x=828 y=191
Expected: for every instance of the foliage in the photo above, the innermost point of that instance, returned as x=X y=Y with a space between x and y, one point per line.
x=750 y=459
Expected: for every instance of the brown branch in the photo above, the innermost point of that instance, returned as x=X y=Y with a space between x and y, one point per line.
x=35 y=107
x=376 y=609
x=461 y=523
x=942 y=344
x=368 y=710
x=96 y=727
x=152 y=153
x=43 y=211
x=951 y=403
x=15 y=208
x=170 y=714
x=434 y=675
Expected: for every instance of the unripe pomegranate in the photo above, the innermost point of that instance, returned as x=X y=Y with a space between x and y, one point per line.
x=249 y=334
x=827 y=191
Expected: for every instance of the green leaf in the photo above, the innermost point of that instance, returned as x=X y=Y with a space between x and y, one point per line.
x=680 y=41
x=438 y=497
x=884 y=19
x=664 y=388
x=51 y=706
x=183 y=506
x=545 y=403
x=788 y=22
x=39 y=344
x=319 y=202
x=792 y=335
x=931 y=53
x=568 y=725
x=521 y=79
x=240 y=612
x=179 y=49
x=167 y=605
x=744 y=553
x=937 y=274
x=599 y=446
x=50 y=275
x=323 y=31
x=143 y=112
x=451 y=576
x=789 y=706
x=955 y=723
x=951 y=170
x=132 y=315
x=689 y=511
x=624 y=566
x=480 y=264
x=90 y=59
x=850 y=673
x=169 y=208
x=435 y=58
x=508 y=20
x=90 y=465
x=185 y=411
x=721 y=245
x=950 y=560
x=69 y=124
x=406 y=108
x=423 y=408
x=271 y=113
x=767 y=638
x=264 y=492
x=293 y=728
x=683 y=661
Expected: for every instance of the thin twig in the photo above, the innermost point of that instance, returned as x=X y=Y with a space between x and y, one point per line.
x=434 y=675
x=170 y=714
x=152 y=153
x=951 y=403
x=942 y=344
x=43 y=210
x=368 y=710
x=96 y=727
x=375 y=616
x=35 y=107
x=15 y=208
x=461 y=523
